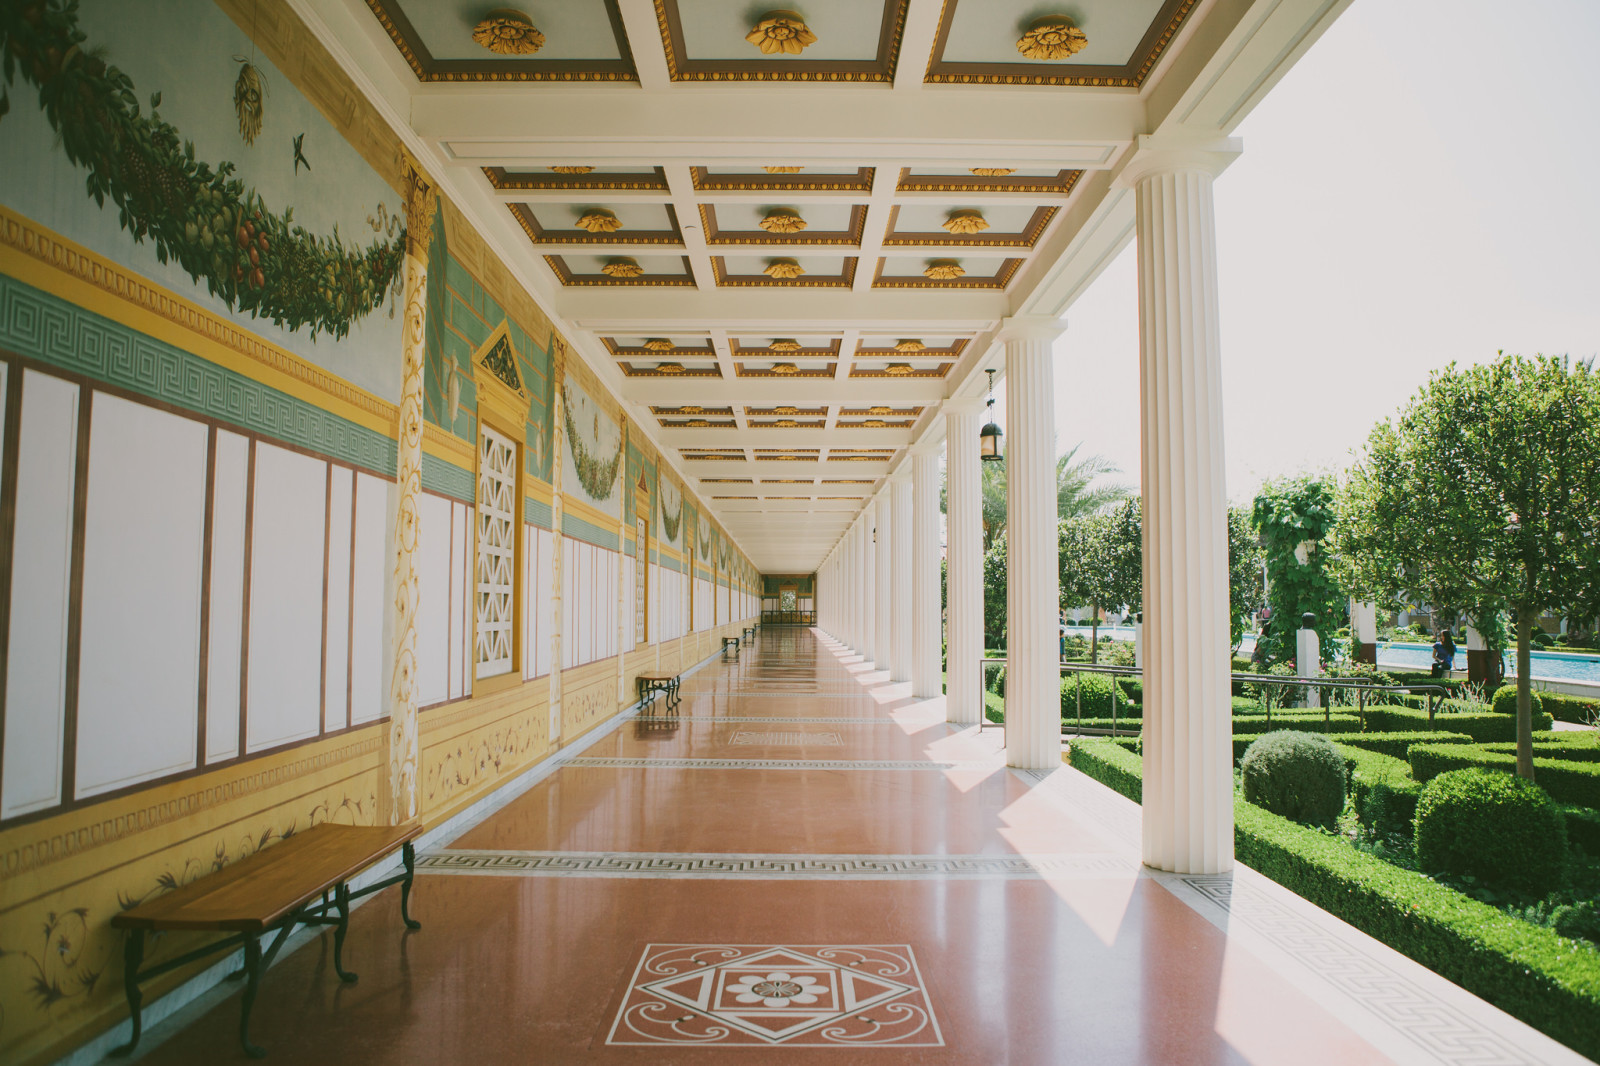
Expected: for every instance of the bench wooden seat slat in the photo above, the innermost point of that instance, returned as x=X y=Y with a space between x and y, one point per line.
x=257 y=892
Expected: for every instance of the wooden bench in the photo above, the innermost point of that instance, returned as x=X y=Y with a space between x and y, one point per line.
x=652 y=685
x=749 y=634
x=296 y=882
x=734 y=641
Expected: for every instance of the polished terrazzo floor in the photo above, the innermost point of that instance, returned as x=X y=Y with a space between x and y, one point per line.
x=804 y=863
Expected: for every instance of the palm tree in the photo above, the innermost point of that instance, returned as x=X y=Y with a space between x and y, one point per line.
x=1076 y=493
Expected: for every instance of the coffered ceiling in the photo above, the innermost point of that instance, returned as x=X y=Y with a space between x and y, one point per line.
x=786 y=236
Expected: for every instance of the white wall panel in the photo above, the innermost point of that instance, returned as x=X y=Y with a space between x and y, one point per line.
x=42 y=558
x=139 y=640
x=569 y=567
x=336 y=682
x=283 y=677
x=583 y=601
x=433 y=599
x=226 y=625
x=369 y=669
x=461 y=546
x=466 y=568
x=545 y=598
x=629 y=581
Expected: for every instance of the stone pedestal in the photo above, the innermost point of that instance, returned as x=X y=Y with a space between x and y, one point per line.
x=1033 y=669
x=1188 y=750
x=1363 y=632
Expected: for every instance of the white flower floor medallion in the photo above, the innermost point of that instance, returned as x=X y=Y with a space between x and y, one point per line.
x=794 y=995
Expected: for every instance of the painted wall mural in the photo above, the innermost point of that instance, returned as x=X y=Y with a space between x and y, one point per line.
x=671 y=513
x=137 y=150
x=593 y=456
x=702 y=538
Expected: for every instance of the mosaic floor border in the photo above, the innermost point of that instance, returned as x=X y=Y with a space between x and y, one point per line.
x=772 y=867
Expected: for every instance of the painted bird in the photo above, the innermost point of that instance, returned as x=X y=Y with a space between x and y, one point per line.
x=299 y=155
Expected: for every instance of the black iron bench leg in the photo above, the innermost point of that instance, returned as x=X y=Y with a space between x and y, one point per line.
x=133 y=958
x=252 y=969
x=341 y=899
x=408 y=855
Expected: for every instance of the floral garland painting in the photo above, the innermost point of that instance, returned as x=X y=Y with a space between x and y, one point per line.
x=703 y=538
x=594 y=446
x=216 y=228
x=671 y=512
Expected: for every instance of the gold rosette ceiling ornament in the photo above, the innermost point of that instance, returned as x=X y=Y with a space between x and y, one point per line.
x=992 y=172
x=508 y=32
x=781 y=33
x=944 y=270
x=963 y=223
x=785 y=369
x=572 y=170
x=658 y=344
x=909 y=344
x=897 y=370
x=784 y=345
x=599 y=220
x=782 y=220
x=784 y=269
x=622 y=267
x=669 y=368
x=783 y=170
x=1052 y=37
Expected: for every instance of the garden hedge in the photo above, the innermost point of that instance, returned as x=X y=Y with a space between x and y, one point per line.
x=1484 y=728
x=1566 y=708
x=1526 y=970
x=1113 y=765
x=1397 y=744
x=1576 y=783
x=1581 y=751
x=1583 y=828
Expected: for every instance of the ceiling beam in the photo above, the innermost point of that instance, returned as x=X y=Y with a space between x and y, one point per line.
x=806 y=392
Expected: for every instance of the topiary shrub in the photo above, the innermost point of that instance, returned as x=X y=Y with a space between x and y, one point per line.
x=1494 y=826
x=994 y=678
x=1300 y=776
x=1097 y=689
x=1505 y=701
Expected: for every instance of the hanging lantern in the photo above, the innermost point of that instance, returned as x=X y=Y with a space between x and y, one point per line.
x=989 y=436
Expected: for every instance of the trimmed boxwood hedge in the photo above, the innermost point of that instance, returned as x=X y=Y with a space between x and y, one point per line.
x=1583 y=828
x=1484 y=728
x=1579 y=752
x=1567 y=708
x=1525 y=970
x=1111 y=764
x=1577 y=783
x=1397 y=744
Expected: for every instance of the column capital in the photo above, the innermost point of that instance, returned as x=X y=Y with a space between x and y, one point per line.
x=963 y=405
x=1030 y=328
x=1163 y=153
x=899 y=477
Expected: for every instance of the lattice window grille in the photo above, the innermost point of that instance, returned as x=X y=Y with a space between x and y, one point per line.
x=497 y=544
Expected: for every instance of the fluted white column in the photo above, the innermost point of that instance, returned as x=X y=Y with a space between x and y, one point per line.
x=1033 y=670
x=1188 y=749
x=927 y=622
x=869 y=584
x=883 y=590
x=963 y=532
x=900 y=527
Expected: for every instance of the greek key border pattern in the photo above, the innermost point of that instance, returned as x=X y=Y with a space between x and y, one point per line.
x=771 y=867
x=41 y=326
x=733 y=719
x=619 y=763
x=1436 y=1027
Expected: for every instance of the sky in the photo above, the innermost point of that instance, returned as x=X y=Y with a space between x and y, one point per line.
x=1419 y=189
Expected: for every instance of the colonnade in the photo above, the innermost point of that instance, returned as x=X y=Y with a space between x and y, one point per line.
x=879 y=588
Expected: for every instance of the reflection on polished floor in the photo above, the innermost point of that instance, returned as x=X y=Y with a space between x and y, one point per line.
x=804 y=863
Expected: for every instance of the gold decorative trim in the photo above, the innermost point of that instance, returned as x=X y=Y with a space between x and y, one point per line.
x=566 y=277
x=427 y=69
x=544 y=238
x=504 y=180
x=999 y=281
x=892 y=27
x=1027 y=238
x=1061 y=185
x=719 y=272
x=44 y=850
x=57 y=252
x=860 y=181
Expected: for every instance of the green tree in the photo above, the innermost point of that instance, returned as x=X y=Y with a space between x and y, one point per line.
x=1246 y=593
x=1486 y=490
x=1294 y=517
x=1076 y=492
x=994 y=595
x=1100 y=561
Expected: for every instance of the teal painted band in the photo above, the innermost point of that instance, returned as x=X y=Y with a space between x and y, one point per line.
x=589 y=533
x=538 y=512
x=44 y=327
x=447 y=479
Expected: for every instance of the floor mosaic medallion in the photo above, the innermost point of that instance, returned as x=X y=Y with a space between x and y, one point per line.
x=794 y=995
